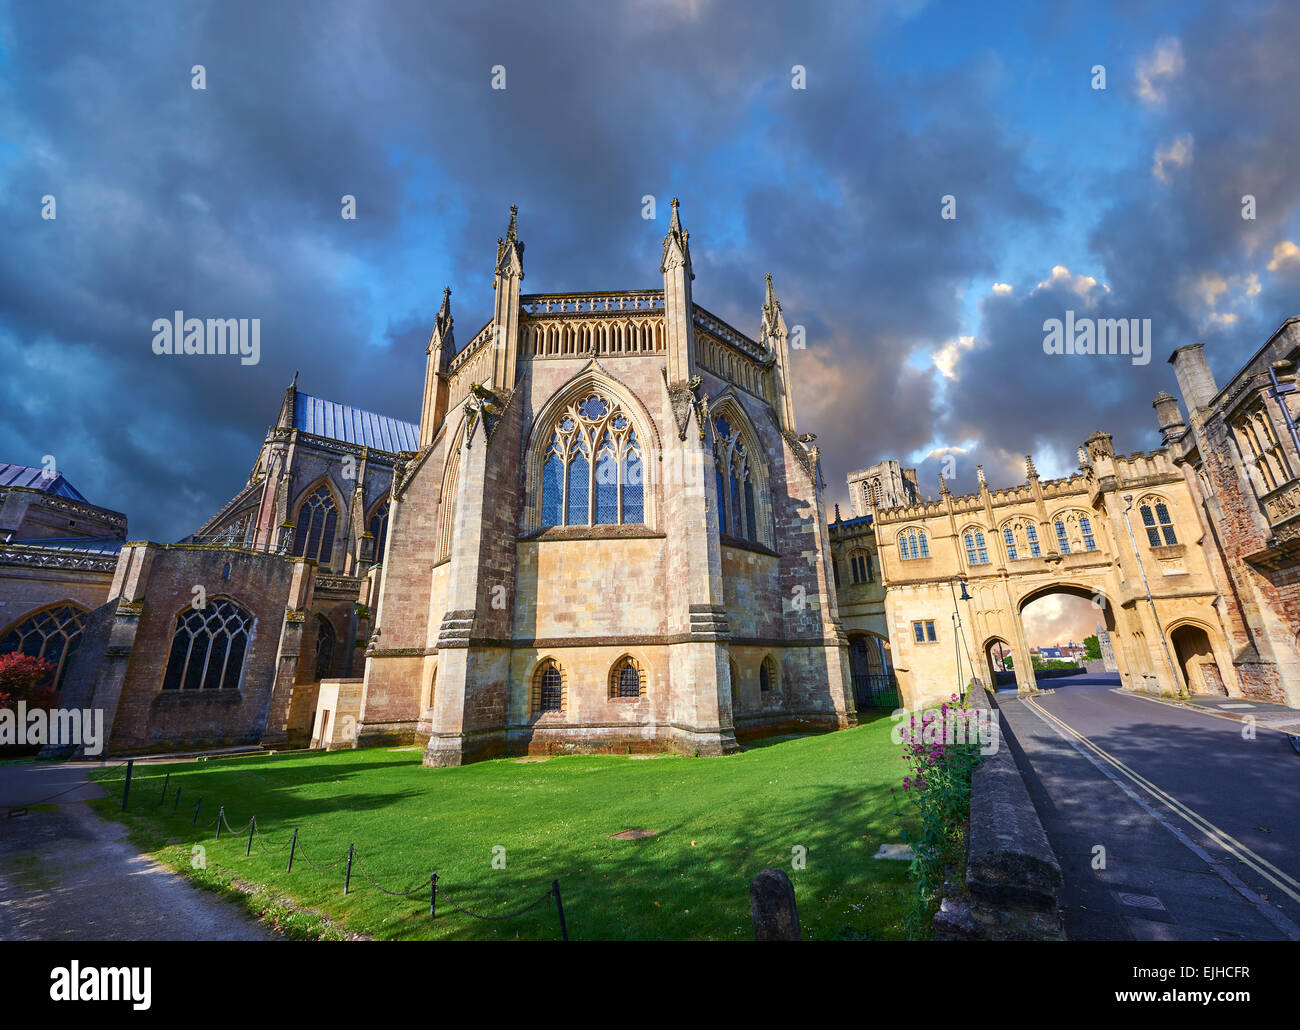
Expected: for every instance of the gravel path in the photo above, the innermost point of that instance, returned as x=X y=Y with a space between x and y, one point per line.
x=66 y=874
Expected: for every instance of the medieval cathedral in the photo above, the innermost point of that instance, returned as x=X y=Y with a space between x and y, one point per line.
x=606 y=533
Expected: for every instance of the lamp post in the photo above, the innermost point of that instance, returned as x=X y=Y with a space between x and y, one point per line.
x=1147 y=587
x=959 y=636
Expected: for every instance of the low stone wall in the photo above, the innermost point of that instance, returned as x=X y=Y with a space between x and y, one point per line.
x=1012 y=874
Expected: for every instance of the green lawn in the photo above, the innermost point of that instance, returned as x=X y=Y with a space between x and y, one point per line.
x=719 y=821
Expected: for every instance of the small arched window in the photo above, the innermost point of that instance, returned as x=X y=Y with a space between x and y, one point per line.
x=1031 y=534
x=208 y=647
x=314 y=528
x=627 y=678
x=378 y=527
x=52 y=633
x=1089 y=541
x=325 y=641
x=1009 y=538
x=913 y=544
x=976 y=551
x=767 y=675
x=1155 y=517
x=548 y=688
x=1062 y=538
x=592 y=469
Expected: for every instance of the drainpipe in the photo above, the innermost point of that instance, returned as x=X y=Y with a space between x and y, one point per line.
x=1150 y=600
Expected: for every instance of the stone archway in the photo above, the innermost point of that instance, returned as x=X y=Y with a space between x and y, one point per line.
x=874 y=685
x=1194 y=653
x=1103 y=610
x=1001 y=666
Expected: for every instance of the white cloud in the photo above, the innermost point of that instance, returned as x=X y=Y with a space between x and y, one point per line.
x=947 y=356
x=1001 y=288
x=1284 y=253
x=1083 y=285
x=1176 y=153
x=1158 y=69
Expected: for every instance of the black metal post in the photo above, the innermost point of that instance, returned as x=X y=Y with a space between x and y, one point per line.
x=177 y=803
x=126 y=791
x=347 y=879
x=433 y=893
x=221 y=815
x=166 y=780
x=252 y=822
x=195 y=820
x=559 y=907
x=293 y=846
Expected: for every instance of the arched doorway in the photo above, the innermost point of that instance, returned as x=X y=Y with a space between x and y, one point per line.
x=1196 y=661
x=997 y=655
x=874 y=685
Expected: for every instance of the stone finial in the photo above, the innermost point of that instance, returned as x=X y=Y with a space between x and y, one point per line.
x=1083 y=459
x=837 y=513
x=943 y=485
x=1031 y=473
x=772 y=904
x=979 y=475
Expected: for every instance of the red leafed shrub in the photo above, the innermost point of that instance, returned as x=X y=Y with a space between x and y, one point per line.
x=24 y=678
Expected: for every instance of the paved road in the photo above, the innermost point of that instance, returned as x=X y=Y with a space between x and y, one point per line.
x=1201 y=826
x=66 y=874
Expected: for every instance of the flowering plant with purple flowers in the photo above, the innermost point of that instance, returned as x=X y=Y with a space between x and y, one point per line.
x=938 y=784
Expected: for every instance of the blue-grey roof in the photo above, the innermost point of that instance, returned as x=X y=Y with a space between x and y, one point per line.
x=36 y=479
x=80 y=544
x=352 y=425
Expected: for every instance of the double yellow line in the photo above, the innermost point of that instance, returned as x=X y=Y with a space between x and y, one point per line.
x=1284 y=882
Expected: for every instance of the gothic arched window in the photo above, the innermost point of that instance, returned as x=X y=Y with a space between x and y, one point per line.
x=314 y=528
x=378 y=527
x=51 y=633
x=738 y=514
x=767 y=675
x=860 y=563
x=1031 y=534
x=1089 y=541
x=208 y=647
x=548 y=688
x=1009 y=538
x=325 y=639
x=913 y=544
x=1155 y=517
x=627 y=678
x=1062 y=538
x=976 y=551
x=592 y=471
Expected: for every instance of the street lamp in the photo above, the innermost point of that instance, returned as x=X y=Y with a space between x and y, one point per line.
x=1150 y=600
x=959 y=636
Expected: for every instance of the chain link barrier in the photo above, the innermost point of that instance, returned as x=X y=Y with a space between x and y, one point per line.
x=430 y=885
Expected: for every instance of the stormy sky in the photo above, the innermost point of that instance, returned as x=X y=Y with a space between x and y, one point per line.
x=924 y=333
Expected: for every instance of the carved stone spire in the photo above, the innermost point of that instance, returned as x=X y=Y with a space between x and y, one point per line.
x=943 y=485
x=677 y=245
x=979 y=475
x=505 y=313
x=288 y=405
x=1083 y=459
x=679 y=307
x=439 y=353
x=1031 y=473
x=510 y=252
x=775 y=338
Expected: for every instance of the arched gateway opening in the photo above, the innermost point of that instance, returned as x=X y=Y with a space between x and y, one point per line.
x=1196 y=662
x=1056 y=620
x=874 y=685
x=1001 y=666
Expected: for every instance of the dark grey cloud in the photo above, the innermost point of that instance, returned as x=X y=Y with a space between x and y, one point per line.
x=226 y=203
